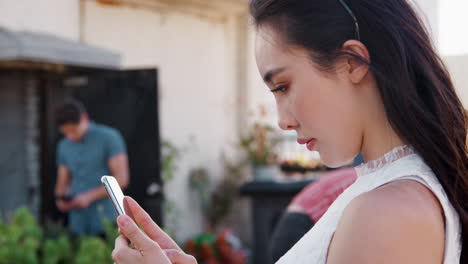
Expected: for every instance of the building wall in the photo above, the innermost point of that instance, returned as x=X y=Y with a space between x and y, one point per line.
x=429 y=12
x=57 y=17
x=196 y=61
x=452 y=23
x=457 y=65
x=261 y=102
x=454 y=42
x=19 y=170
x=445 y=20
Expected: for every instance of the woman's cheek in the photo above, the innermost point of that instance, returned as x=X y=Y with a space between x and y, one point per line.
x=306 y=109
x=299 y=107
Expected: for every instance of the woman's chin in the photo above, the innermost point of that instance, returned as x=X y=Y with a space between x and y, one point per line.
x=333 y=165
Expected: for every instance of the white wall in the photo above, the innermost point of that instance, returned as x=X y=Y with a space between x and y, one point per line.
x=429 y=12
x=458 y=65
x=448 y=21
x=57 y=17
x=453 y=25
x=259 y=96
x=453 y=41
x=197 y=71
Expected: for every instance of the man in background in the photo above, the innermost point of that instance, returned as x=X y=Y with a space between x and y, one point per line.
x=86 y=153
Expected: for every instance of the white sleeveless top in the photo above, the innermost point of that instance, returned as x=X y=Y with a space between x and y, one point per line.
x=400 y=163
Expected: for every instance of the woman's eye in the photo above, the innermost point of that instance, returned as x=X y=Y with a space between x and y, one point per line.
x=281 y=88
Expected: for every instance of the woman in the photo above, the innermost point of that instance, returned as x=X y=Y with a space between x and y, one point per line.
x=350 y=77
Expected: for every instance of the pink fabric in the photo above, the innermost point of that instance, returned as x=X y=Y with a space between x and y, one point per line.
x=315 y=198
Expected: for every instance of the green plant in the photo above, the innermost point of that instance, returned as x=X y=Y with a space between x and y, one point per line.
x=170 y=156
x=90 y=249
x=58 y=250
x=260 y=145
x=93 y=250
x=111 y=231
x=217 y=199
x=171 y=221
x=23 y=241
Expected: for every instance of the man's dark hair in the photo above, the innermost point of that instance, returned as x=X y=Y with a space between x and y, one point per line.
x=69 y=112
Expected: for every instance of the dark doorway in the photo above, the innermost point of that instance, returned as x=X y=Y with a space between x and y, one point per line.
x=125 y=100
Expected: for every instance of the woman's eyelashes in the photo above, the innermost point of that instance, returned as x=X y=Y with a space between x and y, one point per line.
x=281 y=88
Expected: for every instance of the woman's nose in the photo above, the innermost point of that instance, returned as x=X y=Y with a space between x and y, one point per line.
x=287 y=123
x=286 y=120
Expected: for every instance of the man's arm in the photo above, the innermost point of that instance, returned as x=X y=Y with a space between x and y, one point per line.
x=63 y=181
x=118 y=166
x=62 y=188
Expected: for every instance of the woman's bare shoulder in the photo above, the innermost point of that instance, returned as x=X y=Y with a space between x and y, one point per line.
x=401 y=222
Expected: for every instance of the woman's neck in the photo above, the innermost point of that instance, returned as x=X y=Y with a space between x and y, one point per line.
x=379 y=138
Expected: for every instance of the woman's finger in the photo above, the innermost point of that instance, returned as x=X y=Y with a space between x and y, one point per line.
x=179 y=257
x=145 y=252
x=122 y=254
x=126 y=256
x=151 y=228
x=132 y=232
x=121 y=242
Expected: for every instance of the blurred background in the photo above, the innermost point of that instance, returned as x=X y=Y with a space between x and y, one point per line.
x=178 y=79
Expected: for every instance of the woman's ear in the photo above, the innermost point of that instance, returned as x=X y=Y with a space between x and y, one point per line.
x=357 y=68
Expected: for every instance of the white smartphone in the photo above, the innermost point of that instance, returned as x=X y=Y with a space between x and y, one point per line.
x=115 y=193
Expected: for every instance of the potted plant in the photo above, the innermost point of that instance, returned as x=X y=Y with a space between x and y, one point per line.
x=217 y=245
x=260 y=146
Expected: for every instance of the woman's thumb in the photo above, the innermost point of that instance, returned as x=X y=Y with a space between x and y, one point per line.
x=179 y=257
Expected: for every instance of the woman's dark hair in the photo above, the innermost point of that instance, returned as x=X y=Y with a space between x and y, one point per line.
x=418 y=95
x=69 y=112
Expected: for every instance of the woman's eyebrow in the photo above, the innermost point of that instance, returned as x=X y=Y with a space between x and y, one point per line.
x=270 y=74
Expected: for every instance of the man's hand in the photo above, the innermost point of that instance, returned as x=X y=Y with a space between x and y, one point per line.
x=62 y=189
x=82 y=200
x=63 y=206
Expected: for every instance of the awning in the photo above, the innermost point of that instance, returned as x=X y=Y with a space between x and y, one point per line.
x=45 y=48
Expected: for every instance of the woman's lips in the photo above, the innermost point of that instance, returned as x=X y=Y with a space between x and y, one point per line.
x=310 y=143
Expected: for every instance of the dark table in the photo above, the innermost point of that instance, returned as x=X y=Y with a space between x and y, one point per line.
x=269 y=201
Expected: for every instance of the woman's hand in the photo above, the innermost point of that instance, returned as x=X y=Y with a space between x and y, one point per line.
x=156 y=247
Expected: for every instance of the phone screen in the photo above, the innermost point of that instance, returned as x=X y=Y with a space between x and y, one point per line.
x=115 y=193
